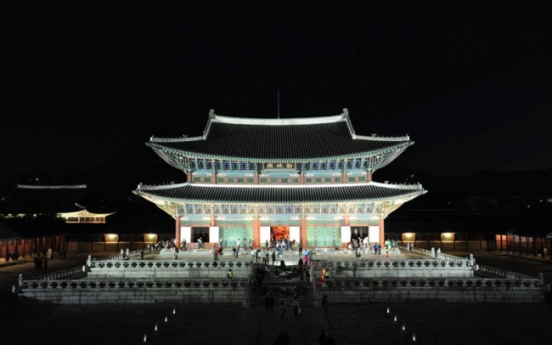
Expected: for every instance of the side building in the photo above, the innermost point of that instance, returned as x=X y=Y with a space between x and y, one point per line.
x=306 y=179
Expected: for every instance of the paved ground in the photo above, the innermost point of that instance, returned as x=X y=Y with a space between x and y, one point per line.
x=434 y=322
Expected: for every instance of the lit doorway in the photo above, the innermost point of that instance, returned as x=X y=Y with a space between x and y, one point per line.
x=279 y=232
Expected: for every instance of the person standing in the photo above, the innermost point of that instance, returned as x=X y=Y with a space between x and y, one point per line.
x=296 y=307
x=214 y=250
x=200 y=243
x=238 y=244
x=175 y=253
x=230 y=274
x=283 y=311
x=273 y=255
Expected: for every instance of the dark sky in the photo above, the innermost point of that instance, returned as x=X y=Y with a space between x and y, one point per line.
x=470 y=84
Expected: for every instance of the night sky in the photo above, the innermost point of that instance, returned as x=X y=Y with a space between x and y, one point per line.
x=470 y=84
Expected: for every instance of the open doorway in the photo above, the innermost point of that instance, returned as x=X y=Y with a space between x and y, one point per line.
x=279 y=232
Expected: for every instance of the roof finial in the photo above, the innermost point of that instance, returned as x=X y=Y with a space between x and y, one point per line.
x=211 y=112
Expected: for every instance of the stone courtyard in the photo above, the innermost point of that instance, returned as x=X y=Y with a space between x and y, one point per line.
x=433 y=321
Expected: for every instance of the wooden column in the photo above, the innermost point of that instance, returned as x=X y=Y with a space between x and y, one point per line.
x=303 y=231
x=214 y=173
x=381 y=231
x=189 y=177
x=256 y=179
x=344 y=172
x=368 y=176
x=177 y=238
x=256 y=232
x=301 y=177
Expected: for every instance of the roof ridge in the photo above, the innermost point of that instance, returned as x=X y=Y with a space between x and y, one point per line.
x=416 y=186
x=27 y=186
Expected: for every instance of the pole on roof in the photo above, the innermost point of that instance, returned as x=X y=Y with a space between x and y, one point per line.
x=278 y=101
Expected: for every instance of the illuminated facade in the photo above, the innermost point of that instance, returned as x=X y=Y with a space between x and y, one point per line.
x=307 y=179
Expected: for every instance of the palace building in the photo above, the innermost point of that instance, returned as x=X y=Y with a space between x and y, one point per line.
x=306 y=179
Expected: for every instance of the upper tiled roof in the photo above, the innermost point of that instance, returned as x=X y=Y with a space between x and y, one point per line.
x=188 y=192
x=25 y=199
x=280 y=139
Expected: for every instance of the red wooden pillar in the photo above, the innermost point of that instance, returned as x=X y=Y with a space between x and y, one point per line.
x=256 y=232
x=368 y=176
x=178 y=240
x=344 y=173
x=303 y=231
x=381 y=232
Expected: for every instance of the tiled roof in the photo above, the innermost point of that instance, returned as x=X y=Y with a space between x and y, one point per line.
x=284 y=139
x=189 y=192
x=25 y=199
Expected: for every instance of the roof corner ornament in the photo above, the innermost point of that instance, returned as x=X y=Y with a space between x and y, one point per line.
x=212 y=113
x=345 y=112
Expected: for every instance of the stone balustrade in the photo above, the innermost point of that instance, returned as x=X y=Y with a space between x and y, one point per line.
x=531 y=283
x=135 y=291
x=450 y=290
x=168 y=269
x=113 y=285
x=131 y=254
x=501 y=273
x=403 y=268
x=70 y=272
x=169 y=264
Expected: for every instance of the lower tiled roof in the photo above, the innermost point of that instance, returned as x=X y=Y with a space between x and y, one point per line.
x=188 y=192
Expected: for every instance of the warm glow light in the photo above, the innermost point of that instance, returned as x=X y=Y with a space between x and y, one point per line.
x=409 y=236
x=152 y=238
x=111 y=238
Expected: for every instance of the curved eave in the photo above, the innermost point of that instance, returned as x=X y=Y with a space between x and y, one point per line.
x=190 y=154
x=161 y=200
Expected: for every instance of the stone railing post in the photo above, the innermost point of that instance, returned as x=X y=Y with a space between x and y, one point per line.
x=472 y=260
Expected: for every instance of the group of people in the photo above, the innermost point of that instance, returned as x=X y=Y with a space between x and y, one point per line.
x=360 y=246
x=12 y=256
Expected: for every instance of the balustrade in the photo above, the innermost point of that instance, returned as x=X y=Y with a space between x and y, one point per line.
x=29 y=285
